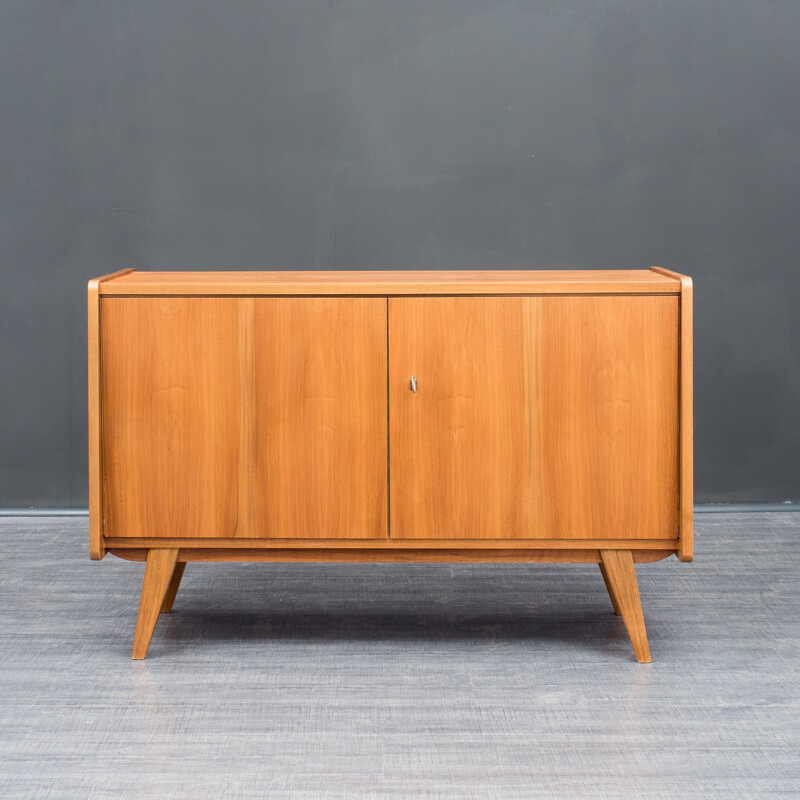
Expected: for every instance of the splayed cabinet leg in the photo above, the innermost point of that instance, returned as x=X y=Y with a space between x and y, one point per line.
x=158 y=573
x=610 y=591
x=621 y=579
x=172 y=589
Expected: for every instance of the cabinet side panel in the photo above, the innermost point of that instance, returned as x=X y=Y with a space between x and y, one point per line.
x=608 y=399
x=172 y=415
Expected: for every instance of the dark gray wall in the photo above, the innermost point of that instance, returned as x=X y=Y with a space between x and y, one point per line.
x=200 y=134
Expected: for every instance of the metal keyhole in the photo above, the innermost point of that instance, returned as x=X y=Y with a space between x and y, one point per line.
x=413 y=384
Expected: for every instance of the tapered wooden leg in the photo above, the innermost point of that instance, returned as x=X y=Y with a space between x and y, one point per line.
x=621 y=576
x=172 y=589
x=157 y=575
x=610 y=590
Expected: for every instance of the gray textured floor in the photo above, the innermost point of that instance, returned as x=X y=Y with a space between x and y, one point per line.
x=436 y=681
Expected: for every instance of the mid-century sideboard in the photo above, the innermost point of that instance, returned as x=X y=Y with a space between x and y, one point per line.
x=391 y=416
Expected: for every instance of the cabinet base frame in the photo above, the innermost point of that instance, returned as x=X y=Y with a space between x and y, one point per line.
x=385 y=555
x=114 y=544
x=165 y=566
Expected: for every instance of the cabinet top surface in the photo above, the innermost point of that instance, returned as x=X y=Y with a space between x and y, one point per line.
x=391 y=282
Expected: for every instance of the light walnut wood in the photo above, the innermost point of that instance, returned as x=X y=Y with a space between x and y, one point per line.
x=621 y=576
x=534 y=417
x=393 y=282
x=245 y=417
x=96 y=548
x=610 y=590
x=157 y=574
x=686 y=492
x=172 y=589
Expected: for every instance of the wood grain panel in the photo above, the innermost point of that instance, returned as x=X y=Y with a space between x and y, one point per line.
x=609 y=414
x=460 y=449
x=320 y=423
x=205 y=397
x=539 y=417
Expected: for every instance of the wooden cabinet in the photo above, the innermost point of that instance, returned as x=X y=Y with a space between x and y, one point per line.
x=390 y=416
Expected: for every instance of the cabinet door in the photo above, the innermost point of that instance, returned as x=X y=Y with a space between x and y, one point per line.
x=244 y=417
x=533 y=417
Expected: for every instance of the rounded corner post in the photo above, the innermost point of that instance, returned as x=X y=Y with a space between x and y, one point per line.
x=96 y=542
x=686 y=532
x=685 y=414
x=96 y=547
